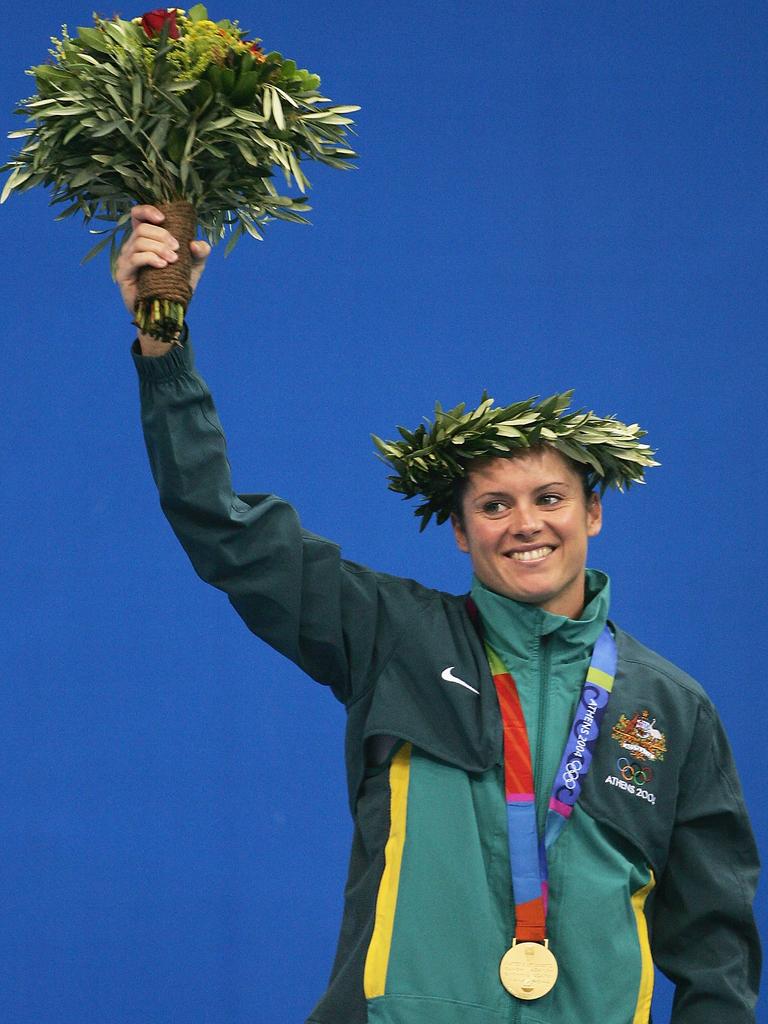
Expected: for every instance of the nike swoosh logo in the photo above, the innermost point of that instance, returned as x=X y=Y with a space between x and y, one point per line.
x=449 y=677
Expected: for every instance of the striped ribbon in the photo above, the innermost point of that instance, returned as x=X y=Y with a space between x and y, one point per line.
x=527 y=851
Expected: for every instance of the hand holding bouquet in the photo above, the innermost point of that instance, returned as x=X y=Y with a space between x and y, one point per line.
x=180 y=112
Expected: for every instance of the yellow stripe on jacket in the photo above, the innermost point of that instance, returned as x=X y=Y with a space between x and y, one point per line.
x=645 y=992
x=377 y=959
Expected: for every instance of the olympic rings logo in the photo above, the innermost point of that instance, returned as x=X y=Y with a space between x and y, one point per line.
x=571 y=774
x=631 y=771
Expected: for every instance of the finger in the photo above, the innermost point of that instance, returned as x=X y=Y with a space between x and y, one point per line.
x=200 y=251
x=166 y=246
x=149 y=259
x=147 y=238
x=146 y=213
x=126 y=265
x=150 y=231
x=132 y=260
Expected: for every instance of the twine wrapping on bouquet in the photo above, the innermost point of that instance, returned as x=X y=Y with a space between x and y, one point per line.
x=163 y=293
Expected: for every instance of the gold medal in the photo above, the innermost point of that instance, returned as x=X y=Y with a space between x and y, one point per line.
x=528 y=970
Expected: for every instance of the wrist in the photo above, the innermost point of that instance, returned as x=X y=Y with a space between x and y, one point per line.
x=150 y=346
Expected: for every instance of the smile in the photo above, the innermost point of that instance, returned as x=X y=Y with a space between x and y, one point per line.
x=534 y=555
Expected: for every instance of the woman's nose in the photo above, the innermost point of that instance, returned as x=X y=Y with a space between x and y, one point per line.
x=525 y=520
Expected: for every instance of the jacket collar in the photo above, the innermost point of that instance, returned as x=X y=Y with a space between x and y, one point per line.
x=515 y=628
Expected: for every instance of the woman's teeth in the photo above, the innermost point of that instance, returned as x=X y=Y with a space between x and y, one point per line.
x=531 y=556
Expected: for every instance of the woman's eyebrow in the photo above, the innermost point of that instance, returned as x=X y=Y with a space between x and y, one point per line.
x=485 y=495
x=553 y=483
x=492 y=494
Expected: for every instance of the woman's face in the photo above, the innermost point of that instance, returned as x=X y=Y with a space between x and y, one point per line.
x=526 y=528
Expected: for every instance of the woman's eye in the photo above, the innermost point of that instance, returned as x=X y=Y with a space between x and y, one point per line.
x=550 y=499
x=494 y=508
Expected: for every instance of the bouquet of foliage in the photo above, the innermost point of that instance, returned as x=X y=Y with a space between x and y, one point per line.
x=182 y=112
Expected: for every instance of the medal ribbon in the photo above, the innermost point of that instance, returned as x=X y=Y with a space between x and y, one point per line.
x=527 y=852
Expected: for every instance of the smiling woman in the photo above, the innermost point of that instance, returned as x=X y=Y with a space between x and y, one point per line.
x=525 y=524
x=549 y=196
x=462 y=874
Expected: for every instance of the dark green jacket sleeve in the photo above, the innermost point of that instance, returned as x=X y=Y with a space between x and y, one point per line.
x=291 y=587
x=703 y=931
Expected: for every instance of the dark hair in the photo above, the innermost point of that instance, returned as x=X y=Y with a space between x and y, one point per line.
x=460 y=484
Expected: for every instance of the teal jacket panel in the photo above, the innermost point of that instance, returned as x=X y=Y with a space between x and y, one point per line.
x=455 y=915
x=662 y=792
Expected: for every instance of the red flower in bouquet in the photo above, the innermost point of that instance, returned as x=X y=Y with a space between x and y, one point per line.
x=153 y=22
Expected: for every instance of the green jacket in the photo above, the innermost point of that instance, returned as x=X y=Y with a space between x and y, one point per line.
x=657 y=861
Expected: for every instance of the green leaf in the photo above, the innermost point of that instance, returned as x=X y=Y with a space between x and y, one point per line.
x=285 y=95
x=290 y=215
x=190 y=141
x=69 y=211
x=160 y=133
x=234 y=238
x=222 y=122
x=247 y=155
x=88 y=58
x=324 y=118
x=277 y=108
x=136 y=96
x=301 y=181
x=98 y=133
x=96 y=249
x=248 y=115
x=59 y=111
x=201 y=95
x=213 y=75
x=251 y=228
x=10 y=184
x=83 y=177
x=227 y=76
x=197 y=13
x=176 y=143
x=245 y=90
x=119 y=100
x=94 y=39
x=209 y=147
x=264 y=70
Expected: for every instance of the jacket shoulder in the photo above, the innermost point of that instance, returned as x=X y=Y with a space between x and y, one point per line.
x=400 y=590
x=653 y=669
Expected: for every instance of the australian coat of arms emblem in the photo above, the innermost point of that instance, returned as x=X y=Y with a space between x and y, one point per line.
x=639 y=735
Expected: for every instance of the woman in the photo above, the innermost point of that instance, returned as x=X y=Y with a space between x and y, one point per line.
x=543 y=807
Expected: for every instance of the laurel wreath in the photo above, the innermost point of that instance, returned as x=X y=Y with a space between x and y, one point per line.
x=429 y=460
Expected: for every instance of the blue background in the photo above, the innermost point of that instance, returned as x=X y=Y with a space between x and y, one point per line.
x=549 y=195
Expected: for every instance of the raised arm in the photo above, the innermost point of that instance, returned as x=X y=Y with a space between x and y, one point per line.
x=292 y=588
